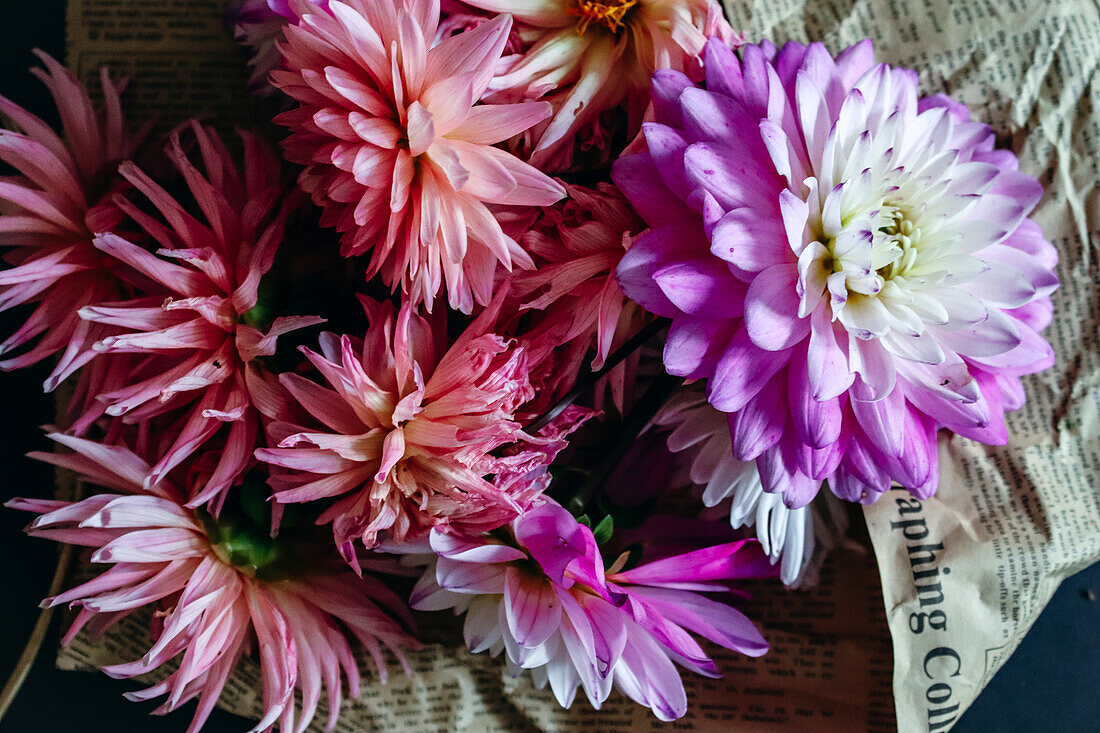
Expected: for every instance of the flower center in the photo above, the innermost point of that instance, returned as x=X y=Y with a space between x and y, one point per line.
x=902 y=238
x=610 y=15
x=240 y=536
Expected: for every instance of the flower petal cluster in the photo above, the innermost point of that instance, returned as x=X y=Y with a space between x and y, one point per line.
x=850 y=265
x=404 y=428
x=210 y=610
x=587 y=58
x=194 y=336
x=396 y=151
x=577 y=244
x=543 y=597
x=786 y=535
x=51 y=210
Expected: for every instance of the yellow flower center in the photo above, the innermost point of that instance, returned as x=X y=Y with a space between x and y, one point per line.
x=610 y=15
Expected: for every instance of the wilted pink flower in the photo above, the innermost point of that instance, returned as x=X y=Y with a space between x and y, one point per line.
x=396 y=151
x=587 y=58
x=540 y=594
x=851 y=266
x=405 y=428
x=220 y=592
x=257 y=25
x=48 y=214
x=199 y=341
x=577 y=244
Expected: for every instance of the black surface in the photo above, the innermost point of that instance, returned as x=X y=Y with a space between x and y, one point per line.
x=1050 y=684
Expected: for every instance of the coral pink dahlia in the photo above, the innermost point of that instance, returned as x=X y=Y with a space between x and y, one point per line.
x=404 y=430
x=198 y=342
x=538 y=591
x=220 y=589
x=48 y=214
x=851 y=266
x=396 y=150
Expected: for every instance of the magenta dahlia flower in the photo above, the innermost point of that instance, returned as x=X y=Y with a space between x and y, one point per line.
x=220 y=589
x=49 y=213
x=198 y=342
x=539 y=593
x=397 y=152
x=404 y=431
x=587 y=58
x=850 y=265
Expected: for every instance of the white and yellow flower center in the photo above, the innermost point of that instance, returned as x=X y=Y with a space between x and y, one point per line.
x=610 y=15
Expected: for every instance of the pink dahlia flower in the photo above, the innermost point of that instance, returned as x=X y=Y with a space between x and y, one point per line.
x=48 y=214
x=198 y=342
x=397 y=152
x=850 y=265
x=220 y=590
x=587 y=58
x=404 y=430
x=576 y=245
x=539 y=593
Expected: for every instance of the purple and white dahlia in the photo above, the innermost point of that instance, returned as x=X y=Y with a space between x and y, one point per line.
x=850 y=265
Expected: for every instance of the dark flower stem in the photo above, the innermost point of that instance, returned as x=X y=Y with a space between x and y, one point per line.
x=587 y=380
x=644 y=409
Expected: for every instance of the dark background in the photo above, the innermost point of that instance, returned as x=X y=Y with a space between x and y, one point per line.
x=1050 y=684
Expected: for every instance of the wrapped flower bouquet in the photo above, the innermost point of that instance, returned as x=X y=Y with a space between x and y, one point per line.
x=549 y=327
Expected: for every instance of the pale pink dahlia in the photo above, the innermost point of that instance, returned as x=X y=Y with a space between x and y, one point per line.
x=850 y=265
x=404 y=429
x=396 y=150
x=587 y=58
x=220 y=589
x=539 y=592
x=198 y=342
x=49 y=213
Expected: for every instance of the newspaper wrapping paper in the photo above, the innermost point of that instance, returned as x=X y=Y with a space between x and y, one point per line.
x=966 y=573
x=1012 y=521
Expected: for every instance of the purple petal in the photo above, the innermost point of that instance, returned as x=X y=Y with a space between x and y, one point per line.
x=759 y=424
x=702 y=287
x=531 y=607
x=777 y=477
x=636 y=176
x=816 y=421
x=771 y=309
x=655 y=249
x=458 y=548
x=883 y=421
x=748 y=241
x=741 y=371
x=827 y=362
x=694 y=346
x=666 y=87
x=723 y=70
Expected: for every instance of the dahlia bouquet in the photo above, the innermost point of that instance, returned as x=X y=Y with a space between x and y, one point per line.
x=562 y=318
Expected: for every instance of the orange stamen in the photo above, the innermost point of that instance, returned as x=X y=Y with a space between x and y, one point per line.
x=610 y=15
